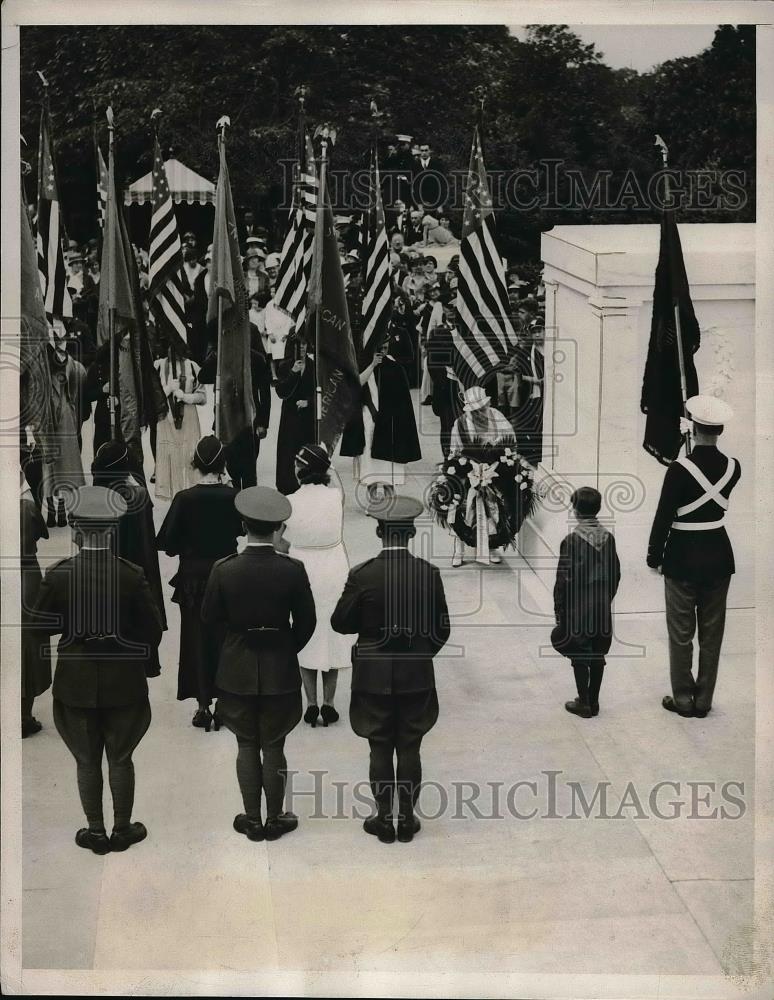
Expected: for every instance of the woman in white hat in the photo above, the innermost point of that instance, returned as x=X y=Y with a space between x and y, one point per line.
x=479 y=425
x=256 y=279
x=272 y=265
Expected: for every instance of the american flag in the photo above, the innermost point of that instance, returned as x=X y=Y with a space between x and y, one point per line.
x=102 y=186
x=51 y=265
x=377 y=299
x=484 y=336
x=296 y=255
x=165 y=259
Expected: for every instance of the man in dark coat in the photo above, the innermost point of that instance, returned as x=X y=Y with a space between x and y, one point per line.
x=689 y=546
x=431 y=187
x=587 y=579
x=109 y=625
x=398 y=172
x=446 y=387
x=264 y=602
x=397 y=606
x=397 y=219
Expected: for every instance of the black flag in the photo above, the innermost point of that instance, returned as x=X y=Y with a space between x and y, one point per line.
x=661 y=392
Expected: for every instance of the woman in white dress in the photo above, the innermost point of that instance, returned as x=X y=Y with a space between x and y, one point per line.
x=178 y=433
x=314 y=531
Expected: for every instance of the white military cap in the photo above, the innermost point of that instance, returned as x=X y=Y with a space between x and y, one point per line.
x=709 y=410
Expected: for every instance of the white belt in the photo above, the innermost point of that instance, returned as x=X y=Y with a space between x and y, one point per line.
x=697 y=525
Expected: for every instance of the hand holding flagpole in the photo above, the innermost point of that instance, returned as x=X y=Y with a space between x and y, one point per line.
x=678 y=331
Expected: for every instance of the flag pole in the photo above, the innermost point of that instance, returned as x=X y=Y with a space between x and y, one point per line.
x=222 y=123
x=318 y=232
x=481 y=95
x=370 y=213
x=111 y=308
x=678 y=332
x=298 y=170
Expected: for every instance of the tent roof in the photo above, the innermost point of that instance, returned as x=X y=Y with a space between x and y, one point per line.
x=184 y=184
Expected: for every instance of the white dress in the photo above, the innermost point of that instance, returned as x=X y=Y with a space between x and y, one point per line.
x=175 y=446
x=314 y=531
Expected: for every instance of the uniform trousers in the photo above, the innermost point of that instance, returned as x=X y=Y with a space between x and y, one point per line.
x=260 y=724
x=394 y=725
x=116 y=731
x=689 y=604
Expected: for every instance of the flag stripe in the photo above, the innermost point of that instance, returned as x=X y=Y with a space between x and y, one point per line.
x=377 y=297
x=296 y=256
x=485 y=336
x=165 y=257
x=51 y=265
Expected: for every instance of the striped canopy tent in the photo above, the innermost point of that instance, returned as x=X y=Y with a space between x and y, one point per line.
x=185 y=185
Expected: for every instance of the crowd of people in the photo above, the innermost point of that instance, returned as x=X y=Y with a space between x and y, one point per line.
x=258 y=625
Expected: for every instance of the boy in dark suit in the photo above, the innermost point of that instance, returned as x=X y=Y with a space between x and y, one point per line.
x=587 y=579
x=110 y=627
x=397 y=606
x=264 y=602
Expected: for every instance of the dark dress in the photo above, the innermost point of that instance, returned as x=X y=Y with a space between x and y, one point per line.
x=395 y=437
x=201 y=527
x=446 y=391
x=528 y=418
x=297 y=425
x=36 y=668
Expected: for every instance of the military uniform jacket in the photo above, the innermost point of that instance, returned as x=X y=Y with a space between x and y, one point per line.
x=103 y=609
x=397 y=606
x=698 y=554
x=265 y=603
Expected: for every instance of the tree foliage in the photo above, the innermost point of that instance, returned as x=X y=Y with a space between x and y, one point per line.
x=549 y=98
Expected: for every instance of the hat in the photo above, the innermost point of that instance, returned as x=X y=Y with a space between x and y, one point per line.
x=353 y=255
x=251 y=252
x=111 y=455
x=189 y=235
x=262 y=503
x=208 y=450
x=404 y=138
x=475 y=399
x=395 y=509
x=273 y=260
x=709 y=410
x=314 y=458
x=75 y=257
x=430 y=259
x=96 y=504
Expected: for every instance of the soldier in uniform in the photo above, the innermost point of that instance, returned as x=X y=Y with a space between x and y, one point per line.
x=397 y=606
x=689 y=546
x=264 y=602
x=110 y=628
